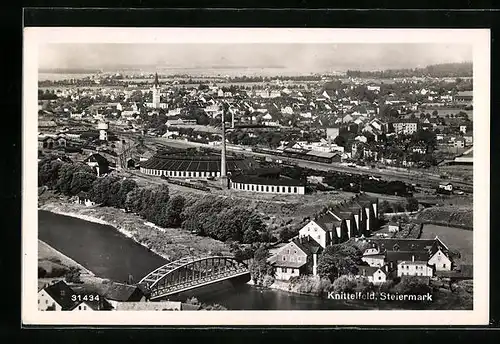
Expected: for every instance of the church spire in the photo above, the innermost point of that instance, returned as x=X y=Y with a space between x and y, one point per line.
x=156 y=83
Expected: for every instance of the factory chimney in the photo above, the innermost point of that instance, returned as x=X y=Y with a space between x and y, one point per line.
x=223 y=174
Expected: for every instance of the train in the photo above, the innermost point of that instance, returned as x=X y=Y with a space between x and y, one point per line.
x=300 y=155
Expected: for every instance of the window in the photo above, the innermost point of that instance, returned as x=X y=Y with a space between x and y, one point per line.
x=379 y=278
x=294 y=190
x=84 y=308
x=272 y=188
x=444 y=265
x=319 y=237
x=294 y=251
x=284 y=257
x=267 y=188
x=289 y=189
x=46 y=302
x=79 y=308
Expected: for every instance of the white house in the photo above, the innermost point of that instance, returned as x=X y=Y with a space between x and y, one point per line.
x=414 y=268
x=374 y=260
x=316 y=231
x=440 y=261
x=375 y=275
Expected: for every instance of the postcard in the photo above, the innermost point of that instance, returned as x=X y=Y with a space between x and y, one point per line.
x=269 y=176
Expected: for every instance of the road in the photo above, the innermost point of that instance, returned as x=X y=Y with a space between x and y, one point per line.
x=423 y=178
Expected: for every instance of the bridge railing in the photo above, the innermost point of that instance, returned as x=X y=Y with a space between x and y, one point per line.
x=160 y=290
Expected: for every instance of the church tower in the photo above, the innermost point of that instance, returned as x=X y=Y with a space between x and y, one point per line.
x=156 y=92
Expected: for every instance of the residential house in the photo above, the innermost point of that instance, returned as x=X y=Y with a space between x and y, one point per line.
x=393 y=226
x=98 y=163
x=406 y=127
x=424 y=253
x=375 y=275
x=56 y=297
x=298 y=257
x=115 y=292
x=415 y=268
x=459 y=143
x=353 y=218
x=464 y=97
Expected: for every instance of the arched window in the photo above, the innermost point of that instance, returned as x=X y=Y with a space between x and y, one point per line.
x=289 y=190
x=267 y=188
x=295 y=190
x=272 y=188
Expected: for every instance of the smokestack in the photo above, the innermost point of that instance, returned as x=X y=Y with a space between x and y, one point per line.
x=223 y=155
x=315 y=264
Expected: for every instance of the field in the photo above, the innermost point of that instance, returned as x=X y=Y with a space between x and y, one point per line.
x=455 y=238
x=458 y=216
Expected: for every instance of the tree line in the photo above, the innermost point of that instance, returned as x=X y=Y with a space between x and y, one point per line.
x=220 y=219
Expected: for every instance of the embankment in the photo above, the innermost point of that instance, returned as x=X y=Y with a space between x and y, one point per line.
x=447 y=216
x=169 y=243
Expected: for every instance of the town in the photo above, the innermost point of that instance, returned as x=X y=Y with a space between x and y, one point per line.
x=355 y=181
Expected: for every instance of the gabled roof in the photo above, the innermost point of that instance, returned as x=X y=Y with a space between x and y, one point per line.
x=405 y=244
x=366 y=270
x=307 y=244
x=397 y=256
x=61 y=293
x=327 y=221
x=96 y=157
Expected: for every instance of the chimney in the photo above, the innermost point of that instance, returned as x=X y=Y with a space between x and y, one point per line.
x=308 y=238
x=315 y=264
x=412 y=258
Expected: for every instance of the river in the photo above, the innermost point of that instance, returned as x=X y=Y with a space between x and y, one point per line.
x=110 y=254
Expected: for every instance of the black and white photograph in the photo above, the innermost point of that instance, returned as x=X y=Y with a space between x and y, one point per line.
x=264 y=171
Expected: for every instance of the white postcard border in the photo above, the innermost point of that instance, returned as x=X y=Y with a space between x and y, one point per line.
x=478 y=38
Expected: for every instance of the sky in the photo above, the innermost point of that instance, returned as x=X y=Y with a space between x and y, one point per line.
x=297 y=57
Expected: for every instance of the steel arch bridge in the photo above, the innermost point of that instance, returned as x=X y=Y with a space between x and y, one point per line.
x=190 y=273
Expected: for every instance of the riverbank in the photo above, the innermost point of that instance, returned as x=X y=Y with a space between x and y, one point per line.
x=169 y=243
x=49 y=258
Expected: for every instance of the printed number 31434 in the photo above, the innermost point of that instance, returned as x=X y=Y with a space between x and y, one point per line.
x=84 y=297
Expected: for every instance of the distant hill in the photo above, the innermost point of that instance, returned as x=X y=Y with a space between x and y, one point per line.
x=442 y=70
x=69 y=70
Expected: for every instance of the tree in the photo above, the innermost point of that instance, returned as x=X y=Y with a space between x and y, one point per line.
x=385 y=207
x=48 y=171
x=173 y=210
x=81 y=182
x=337 y=260
x=411 y=204
x=73 y=275
x=100 y=191
x=260 y=267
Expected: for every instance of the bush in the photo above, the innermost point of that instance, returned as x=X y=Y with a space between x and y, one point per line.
x=344 y=284
x=41 y=272
x=56 y=271
x=73 y=276
x=412 y=285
